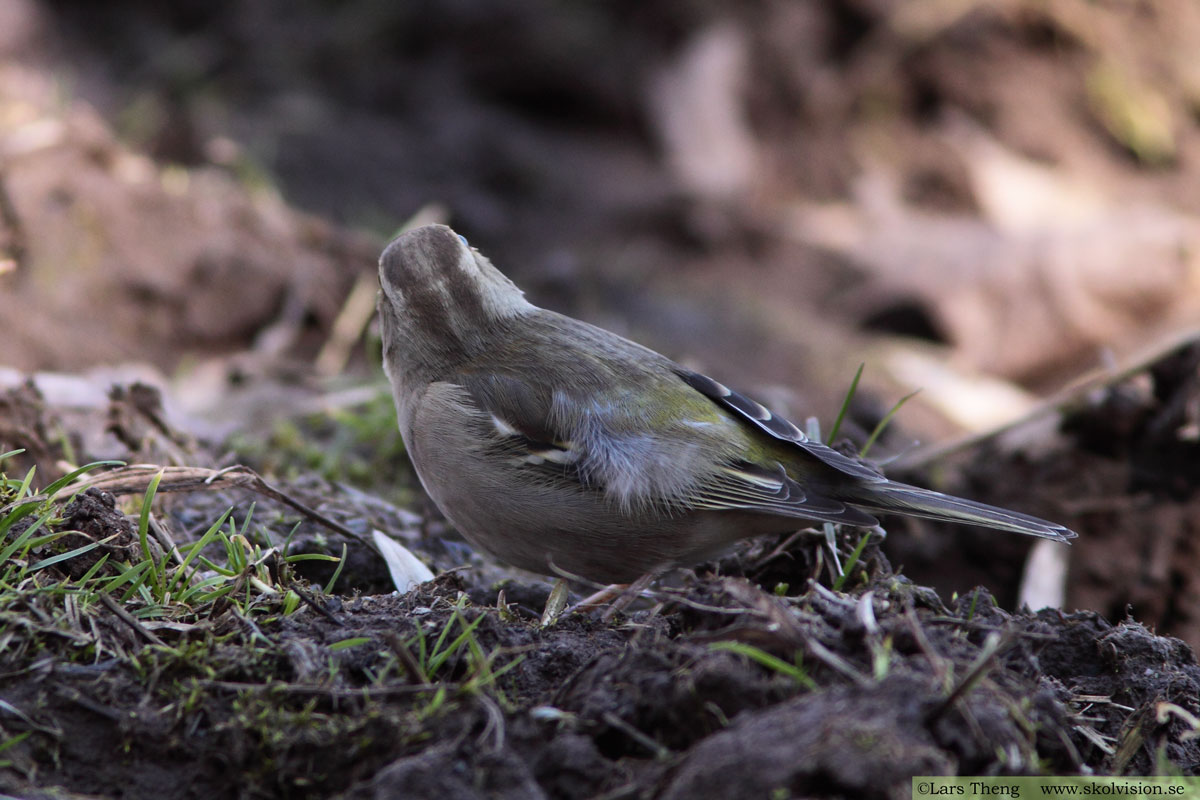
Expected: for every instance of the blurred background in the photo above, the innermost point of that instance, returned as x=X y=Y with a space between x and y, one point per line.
x=987 y=201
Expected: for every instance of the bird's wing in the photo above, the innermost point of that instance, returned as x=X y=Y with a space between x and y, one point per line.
x=521 y=419
x=752 y=487
x=759 y=488
x=871 y=491
x=639 y=467
x=761 y=417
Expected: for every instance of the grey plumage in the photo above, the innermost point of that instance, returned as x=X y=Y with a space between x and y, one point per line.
x=555 y=444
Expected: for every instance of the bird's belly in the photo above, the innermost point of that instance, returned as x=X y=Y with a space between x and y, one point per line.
x=581 y=533
x=533 y=519
x=555 y=532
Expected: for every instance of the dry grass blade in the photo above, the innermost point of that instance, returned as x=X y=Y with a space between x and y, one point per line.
x=135 y=478
x=349 y=326
x=1052 y=406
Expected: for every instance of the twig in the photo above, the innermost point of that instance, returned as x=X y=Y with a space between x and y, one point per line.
x=645 y=741
x=315 y=606
x=834 y=661
x=1066 y=397
x=406 y=658
x=983 y=662
x=130 y=620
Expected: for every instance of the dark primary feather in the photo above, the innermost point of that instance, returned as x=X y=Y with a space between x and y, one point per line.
x=750 y=487
x=913 y=501
x=867 y=489
x=782 y=429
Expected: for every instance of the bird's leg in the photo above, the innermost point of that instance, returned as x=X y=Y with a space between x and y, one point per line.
x=601 y=598
x=630 y=593
x=616 y=596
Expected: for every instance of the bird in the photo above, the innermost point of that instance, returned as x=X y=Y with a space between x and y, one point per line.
x=563 y=448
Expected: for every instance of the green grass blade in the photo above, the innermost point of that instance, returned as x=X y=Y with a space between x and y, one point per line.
x=337 y=573
x=19 y=513
x=423 y=654
x=440 y=658
x=25 y=536
x=91 y=573
x=197 y=547
x=10 y=743
x=345 y=644
x=217 y=568
x=130 y=574
x=195 y=592
x=445 y=632
x=52 y=560
x=28 y=482
x=215 y=594
x=311 y=557
x=851 y=561
x=144 y=529
x=767 y=660
x=507 y=667
x=883 y=423
x=837 y=423
x=287 y=543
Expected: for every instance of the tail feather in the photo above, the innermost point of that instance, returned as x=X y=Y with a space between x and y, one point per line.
x=913 y=501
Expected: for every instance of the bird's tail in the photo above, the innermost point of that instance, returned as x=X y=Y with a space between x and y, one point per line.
x=900 y=498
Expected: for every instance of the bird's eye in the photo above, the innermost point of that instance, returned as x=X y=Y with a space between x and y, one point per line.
x=463 y=239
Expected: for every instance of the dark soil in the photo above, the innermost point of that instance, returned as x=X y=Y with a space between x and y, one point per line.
x=749 y=676
x=645 y=707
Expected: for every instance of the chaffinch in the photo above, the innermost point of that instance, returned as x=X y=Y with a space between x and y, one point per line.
x=559 y=446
